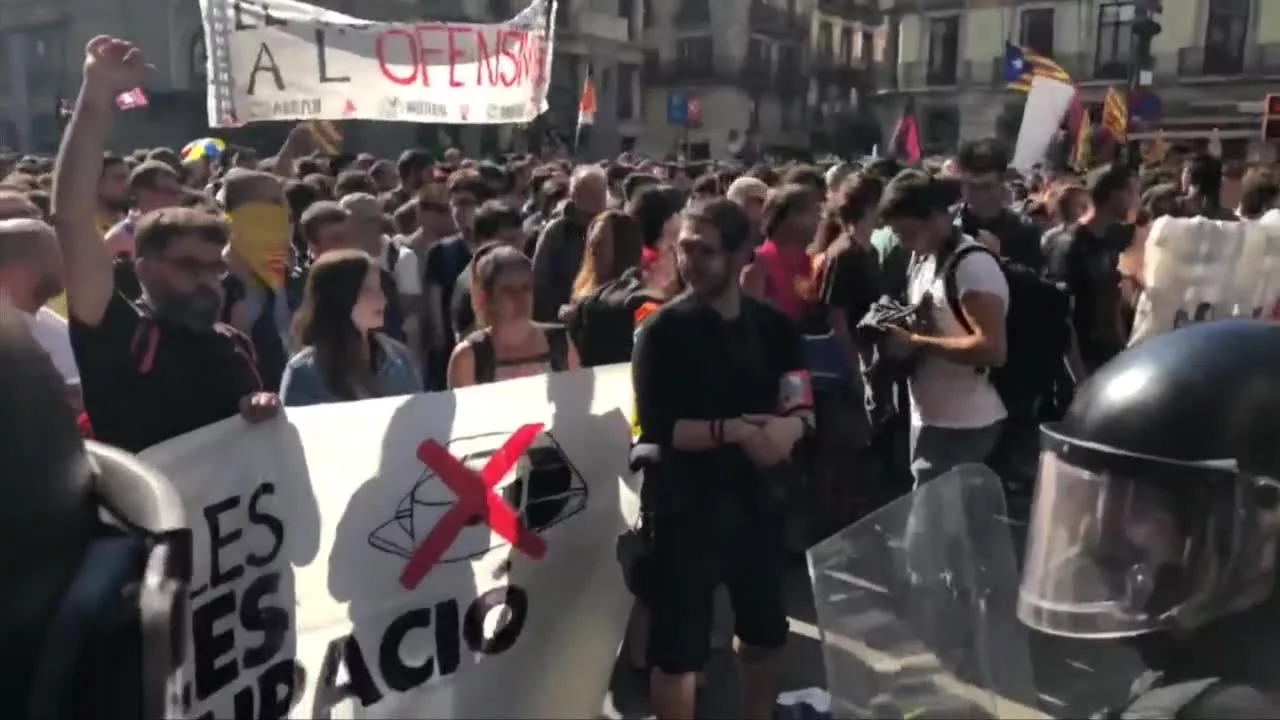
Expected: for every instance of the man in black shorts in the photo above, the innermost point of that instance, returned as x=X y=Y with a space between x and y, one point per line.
x=721 y=389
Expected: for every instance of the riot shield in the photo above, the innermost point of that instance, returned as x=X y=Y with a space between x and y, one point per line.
x=915 y=607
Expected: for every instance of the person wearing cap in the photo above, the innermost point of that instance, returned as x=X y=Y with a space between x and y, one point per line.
x=367 y=226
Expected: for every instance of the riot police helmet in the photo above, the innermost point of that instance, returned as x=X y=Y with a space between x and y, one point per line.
x=95 y=560
x=1156 y=504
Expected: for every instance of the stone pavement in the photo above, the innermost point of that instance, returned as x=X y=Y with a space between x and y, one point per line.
x=1072 y=678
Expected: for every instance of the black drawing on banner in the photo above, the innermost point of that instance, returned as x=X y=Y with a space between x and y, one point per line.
x=545 y=491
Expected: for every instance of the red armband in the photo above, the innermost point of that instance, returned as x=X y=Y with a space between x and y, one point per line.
x=795 y=392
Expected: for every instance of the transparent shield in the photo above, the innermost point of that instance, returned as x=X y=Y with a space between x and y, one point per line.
x=915 y=607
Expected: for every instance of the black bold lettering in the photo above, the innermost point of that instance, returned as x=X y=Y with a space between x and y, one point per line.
x=514 y=599
x=264 y=54
x=218 y=575
x=261 y=517
x=237 y=13
x=243 y=705
x=448 y=646
x=343 y=652
x=279 y=688
x=398 y=675
x=270 y=20
x=258 y=615
x=322 y=59
x=210 y=645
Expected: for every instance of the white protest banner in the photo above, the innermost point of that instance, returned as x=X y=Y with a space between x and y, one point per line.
x=1196 y=269
x=287 y=60
x=1047 y=102
x=449 y=555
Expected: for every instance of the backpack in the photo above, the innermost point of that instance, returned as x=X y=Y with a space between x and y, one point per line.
x=487 y=364
x=1037 y=332
x=602 y=325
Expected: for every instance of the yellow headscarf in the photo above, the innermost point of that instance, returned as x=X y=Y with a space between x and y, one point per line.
x=260 y=235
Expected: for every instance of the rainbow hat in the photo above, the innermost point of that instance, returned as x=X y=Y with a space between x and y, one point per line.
x=204 y=148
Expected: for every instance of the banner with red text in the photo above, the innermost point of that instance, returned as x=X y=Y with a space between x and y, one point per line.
x=445 y=555
x=288 y=60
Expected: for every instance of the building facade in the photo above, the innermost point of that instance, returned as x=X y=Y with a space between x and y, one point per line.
x=775 y=71
x=42 y=43
x=1213 y=62
x=847 y=43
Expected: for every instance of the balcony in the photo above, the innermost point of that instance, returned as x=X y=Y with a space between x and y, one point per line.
x=692 y=15
x=860 y=11
x=1249 y=63
x=587 y=23
x=775 y=22
x=834 y=70
x=920 y=76
x=753 y=77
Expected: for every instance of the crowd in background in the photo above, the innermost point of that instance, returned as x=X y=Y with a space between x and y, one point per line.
x=939 y=312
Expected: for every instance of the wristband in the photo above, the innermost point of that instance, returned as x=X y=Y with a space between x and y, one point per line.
x=717 y=432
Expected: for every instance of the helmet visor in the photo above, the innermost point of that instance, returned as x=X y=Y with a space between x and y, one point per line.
x=1109 y=554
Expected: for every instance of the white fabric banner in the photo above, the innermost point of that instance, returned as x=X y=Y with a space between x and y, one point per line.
x=413 y=557
x=288 y=60
x=1196 y=269
x=1047 y=103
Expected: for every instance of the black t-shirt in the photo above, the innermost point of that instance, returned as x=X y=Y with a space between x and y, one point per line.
x=1086 y=263
x=461 y=315
x=444 y=265
x=146 y=381
x=850 y=280
x=689 y=363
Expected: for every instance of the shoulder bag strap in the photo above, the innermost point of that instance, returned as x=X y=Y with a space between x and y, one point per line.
x=950 y=289
x=482 y=352
x=558 y=347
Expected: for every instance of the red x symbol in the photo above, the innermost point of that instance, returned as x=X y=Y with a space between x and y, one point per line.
x=476 y=498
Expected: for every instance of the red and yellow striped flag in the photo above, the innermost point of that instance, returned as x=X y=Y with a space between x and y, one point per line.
x=1115 y=115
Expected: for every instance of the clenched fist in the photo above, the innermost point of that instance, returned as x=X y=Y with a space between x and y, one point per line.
x=112 y=66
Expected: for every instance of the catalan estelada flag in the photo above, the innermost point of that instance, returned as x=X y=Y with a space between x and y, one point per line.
x=1022 y=65
x=1082 y=158
x=1156 y=150
x=1115 y=115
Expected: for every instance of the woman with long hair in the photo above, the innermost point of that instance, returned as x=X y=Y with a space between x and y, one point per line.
x=613 y=246
x=340 y=354
x=623 y=280
x=508 y=343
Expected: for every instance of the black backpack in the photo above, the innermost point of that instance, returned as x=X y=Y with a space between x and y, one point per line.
x=1037 y=332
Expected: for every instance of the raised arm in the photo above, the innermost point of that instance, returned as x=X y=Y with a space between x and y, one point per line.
x=111 y=66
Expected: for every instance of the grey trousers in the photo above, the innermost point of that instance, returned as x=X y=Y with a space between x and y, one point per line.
x=935 y=450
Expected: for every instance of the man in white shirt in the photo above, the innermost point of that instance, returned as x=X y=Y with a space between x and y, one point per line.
x=31 y=275
x=956 y=413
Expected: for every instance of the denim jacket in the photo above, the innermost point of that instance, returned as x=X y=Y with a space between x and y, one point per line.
x=304 y=383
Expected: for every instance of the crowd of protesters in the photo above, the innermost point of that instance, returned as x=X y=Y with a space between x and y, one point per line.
x=888 y=322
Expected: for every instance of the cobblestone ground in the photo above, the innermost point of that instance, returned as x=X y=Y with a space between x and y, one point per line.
x=1071 y=678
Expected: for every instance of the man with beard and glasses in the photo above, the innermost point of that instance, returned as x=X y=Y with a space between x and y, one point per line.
x=722 y=399
x=162 y=366
x=30 y=276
